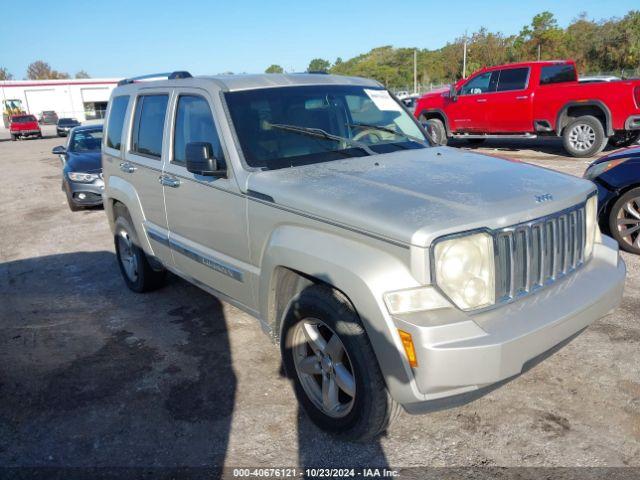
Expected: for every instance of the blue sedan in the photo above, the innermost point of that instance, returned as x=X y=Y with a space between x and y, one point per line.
x=82 y=171
x=617 y=177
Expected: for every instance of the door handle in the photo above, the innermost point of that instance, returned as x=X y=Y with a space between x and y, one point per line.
x=522 y=97
x=168 y=181
x=127 y=167
x=481 y=100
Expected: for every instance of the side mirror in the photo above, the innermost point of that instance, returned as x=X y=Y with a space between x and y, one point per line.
x=453 y=93
x=201 y=161
x=59 y=150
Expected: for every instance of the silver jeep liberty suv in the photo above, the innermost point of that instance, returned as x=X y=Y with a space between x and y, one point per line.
x=391 y=272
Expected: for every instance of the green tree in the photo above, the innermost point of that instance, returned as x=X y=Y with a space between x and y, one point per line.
x=274 y=69
x=4 y=74
x=319 y=65
x=82 y=74
x=40 y=70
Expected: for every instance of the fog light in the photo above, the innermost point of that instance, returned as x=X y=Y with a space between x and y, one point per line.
x=409 y=349
x=82 y=196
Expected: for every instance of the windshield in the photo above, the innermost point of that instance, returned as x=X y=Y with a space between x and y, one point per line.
x=86 y=141
x=291 y=126
x=67 y=121
x=23 y=119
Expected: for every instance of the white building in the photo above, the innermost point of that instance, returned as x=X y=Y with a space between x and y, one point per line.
x=82 y=99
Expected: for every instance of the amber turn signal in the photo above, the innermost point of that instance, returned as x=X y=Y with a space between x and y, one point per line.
x=409 y=349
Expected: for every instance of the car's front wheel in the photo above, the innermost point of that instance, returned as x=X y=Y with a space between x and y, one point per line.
x=584 y=137
x=624 y=221
x=436 y=130
x=136 y=269
x=336 y=377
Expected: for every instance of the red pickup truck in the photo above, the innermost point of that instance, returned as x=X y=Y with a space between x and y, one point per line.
x=24 y=126
x=531 y=99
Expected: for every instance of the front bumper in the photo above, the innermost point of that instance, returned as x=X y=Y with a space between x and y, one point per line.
x=85 y=194
x=477 y=351
x=26 y=133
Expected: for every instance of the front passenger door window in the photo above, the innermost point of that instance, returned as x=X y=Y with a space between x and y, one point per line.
x=194 y=123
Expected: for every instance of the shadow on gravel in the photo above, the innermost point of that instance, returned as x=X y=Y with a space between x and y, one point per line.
x=92 y=375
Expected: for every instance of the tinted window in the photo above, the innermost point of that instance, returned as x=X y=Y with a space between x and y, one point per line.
x=557 y=74
x=86 y=141
x=24 y=119
x=116 y=121
x=513 y=79
x=148 y=124
x=194 y=123
x=483 y=83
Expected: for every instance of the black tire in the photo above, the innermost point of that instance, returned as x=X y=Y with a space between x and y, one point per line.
x=435 y=128
x=594 y=141
x=72 y=205
x=372 y=408
x=624 y=139
x=630 y=243
x=146 y=278
x=14 y=137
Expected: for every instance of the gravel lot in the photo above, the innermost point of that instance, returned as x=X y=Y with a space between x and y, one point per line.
x=94 y=375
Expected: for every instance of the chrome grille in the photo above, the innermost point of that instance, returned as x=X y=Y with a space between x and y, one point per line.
x=534 y=254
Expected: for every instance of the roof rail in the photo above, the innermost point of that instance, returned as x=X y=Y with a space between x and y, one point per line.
x=170 y=76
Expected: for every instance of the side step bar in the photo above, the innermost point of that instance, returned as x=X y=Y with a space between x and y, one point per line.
x=483 y=136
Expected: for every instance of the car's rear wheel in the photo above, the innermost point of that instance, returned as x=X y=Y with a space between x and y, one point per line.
x=624 y=221
x=436 y=130
x=624 y=139
x=336 y=377
x=136 y=269
x=584 y=137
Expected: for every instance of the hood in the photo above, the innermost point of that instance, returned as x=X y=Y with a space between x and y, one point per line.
x=89 y=162
x=414 y=196
x=629 y=152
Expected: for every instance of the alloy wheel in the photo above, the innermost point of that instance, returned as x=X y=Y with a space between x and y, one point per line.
x=323 y=367
x=628 y=222
x=127 y=256
x=582 y=137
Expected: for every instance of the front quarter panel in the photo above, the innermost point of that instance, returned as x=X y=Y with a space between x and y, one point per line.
x=363 y=273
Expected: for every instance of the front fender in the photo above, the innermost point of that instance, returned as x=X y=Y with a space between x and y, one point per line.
x=363 y=273
x=119 y=189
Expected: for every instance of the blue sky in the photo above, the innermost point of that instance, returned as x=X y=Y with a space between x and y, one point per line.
x=126 y=38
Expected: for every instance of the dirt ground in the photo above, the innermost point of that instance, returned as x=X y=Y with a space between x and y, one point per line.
x=94 y=375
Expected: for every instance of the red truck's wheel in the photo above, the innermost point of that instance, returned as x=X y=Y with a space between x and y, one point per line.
x=584 y=137
x=436 y=130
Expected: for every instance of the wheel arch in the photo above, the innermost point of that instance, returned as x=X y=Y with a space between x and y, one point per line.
x=576 y=109
x=430 y=113
x=297 y=257
x=119 y=191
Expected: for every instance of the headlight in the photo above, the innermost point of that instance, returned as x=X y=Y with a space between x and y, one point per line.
x=592 y=230
x=465 y=270
x=596 y=170
x=82 y=177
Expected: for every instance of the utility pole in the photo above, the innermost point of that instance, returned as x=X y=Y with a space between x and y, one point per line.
x=415 y=71
x=538 y=52
x=464 y=60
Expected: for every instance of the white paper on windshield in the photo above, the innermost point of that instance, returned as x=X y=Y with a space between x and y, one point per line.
x=383 y=100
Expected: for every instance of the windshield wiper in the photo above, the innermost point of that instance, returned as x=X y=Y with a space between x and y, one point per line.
x=319 y=133
x=388 y=130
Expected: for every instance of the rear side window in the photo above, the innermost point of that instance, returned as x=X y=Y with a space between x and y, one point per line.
x=513 y=79
x=194 y=123
x=116 y=121
x=148 y=124
x=557 y=74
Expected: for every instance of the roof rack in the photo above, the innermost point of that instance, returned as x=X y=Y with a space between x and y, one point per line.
x=179 y=74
